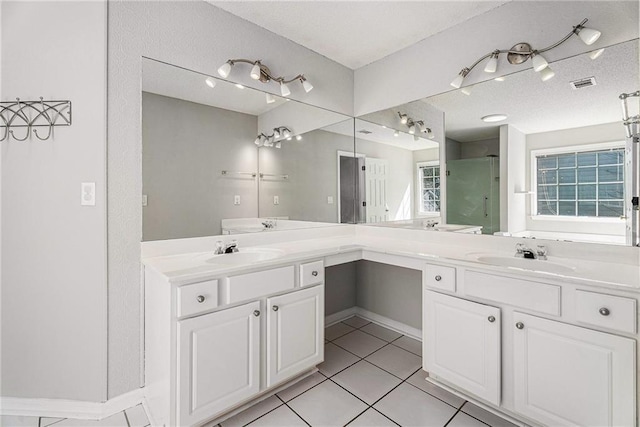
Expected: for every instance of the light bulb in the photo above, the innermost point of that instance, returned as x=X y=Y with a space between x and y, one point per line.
x=289 y=139
x=255 y=71
x=396 y=133
x=210 y=82
x=546 y=74
x=270 y=98
x=596 y=53
x=239 y=86
x=224 y=70
x=588 y=35
x=492 y=64
x=457 y=82
x=307 y=86
x=276 y=133
x=284 y=89
x=298 y=137
x=430 y=134
x=499 y=79
x=412 y=129
x=278 y=144
x=258 y=140
x=403 y=119
x=466 y=90
x=286 y=133
x=539 y=63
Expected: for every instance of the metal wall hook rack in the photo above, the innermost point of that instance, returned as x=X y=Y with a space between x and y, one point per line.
x=32 y=114
x=226 y=173
x=273 y=175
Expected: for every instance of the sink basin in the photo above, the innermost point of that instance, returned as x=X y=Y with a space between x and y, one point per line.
x=244 y=256
x=525 y=264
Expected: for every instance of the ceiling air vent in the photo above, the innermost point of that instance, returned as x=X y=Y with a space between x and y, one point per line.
x=364 y=131
x=582 y=83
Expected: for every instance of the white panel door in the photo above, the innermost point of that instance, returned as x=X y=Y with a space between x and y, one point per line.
x=295 y=333
x=566 y=375
x=376 y=185
x=461 y=344
x=218 y=362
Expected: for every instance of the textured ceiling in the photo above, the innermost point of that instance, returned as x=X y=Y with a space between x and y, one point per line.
x=533 y=106
x=356 y=33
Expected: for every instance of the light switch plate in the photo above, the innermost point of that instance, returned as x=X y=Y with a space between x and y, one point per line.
x=330 y=200
x=88 y=194
x=144 y=200
x=276 y=200
x=236 y=199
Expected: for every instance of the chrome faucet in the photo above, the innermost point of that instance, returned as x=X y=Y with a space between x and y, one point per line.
x=269 y=223
x=523 y=251
x=221 y=248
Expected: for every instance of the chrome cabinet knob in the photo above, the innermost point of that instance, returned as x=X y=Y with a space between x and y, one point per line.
x=201 y=298
x=314 y=273
x=604 y=311
x=520 y=325
x=275 y=308
x=491 y=319
x=256 y=313
x=438 y=278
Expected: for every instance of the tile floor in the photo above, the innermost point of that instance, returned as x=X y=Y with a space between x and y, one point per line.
x=371 y=376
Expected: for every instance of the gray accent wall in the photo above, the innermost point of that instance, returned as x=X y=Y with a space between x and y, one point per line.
x=185 y=146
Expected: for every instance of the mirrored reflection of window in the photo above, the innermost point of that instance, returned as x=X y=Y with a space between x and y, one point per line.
x=581 y=183
x=429 y=187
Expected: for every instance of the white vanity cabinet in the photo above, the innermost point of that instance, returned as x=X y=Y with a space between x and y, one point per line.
x=462 y=344
x=216 y=344
x=556 y=354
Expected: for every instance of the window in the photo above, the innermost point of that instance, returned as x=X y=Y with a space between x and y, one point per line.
x=428 y=187
x=581 y=183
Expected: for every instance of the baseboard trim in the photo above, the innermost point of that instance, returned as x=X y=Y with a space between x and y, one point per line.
x=389 y=323
x=63 y=408
x=339 y=316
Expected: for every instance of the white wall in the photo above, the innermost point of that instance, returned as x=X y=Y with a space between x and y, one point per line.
x=579 y=136
x=54 y=291
x=512 y=179
x=200 y=37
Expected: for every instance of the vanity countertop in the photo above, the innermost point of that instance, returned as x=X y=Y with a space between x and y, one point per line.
x=189 y=267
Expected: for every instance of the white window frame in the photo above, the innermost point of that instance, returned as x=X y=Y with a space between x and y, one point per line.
x=534 y=154
x=419 y=210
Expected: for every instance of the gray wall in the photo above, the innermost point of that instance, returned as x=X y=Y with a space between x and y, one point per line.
x=197 y=36
x=340 y=287
x=483 y=148
x=54 y=271
x=185 y=146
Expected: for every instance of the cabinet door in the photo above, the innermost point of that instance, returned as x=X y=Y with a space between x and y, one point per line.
x=566 y=375
x=462 y=344
x=218 y=362
x=295 y=333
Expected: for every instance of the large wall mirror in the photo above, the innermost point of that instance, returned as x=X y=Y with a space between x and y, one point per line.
x=555 y=167
x=219 y=158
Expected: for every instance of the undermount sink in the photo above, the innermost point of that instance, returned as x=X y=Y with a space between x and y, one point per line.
x=525 y=264
x=243 y=256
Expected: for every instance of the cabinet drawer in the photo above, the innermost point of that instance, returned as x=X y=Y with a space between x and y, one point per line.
x=535 y=296
x=197 y=297
x=256 y=285
x=608 y=311
x=440 y=277
x=311 y=273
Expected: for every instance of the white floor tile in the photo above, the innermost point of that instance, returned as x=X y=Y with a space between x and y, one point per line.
x=47 y=421
x=409 y=344
x=301 y=386
x=418 y=380
x=485 y=416
x=250 y=414
x=371 y=418
x=18 y=421
x=282 y=416
x=359 y=343
x=366 y=381
x=116 y=420
x=137 y=417
x=335 y=360
x=327 y=405
x=463 y=420
x=380 y=332
x=356 y=322
x=336 y=331
x=395 y=360
x=409 y=406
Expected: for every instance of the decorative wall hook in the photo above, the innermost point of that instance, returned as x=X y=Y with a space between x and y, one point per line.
x=32 y=114
x=261 y=72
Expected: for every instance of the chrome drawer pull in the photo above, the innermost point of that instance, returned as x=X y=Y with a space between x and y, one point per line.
x=438 y=278
x=520 y=325
x=256 y=313
x=274 y=308
x=201 y=298
x=491 y=319
x=604 y=311
x=314 y=273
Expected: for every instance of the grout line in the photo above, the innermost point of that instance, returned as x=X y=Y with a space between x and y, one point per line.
x=293 y=410
x=301 y=393
x=451 y=419
x=385 y=416
x=257 y=418
x=126 y=418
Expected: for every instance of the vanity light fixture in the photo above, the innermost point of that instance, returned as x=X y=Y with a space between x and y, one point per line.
x=413 y=126
x=261 y=72
x=521 y=52
x=279 y=133
x=210 y=82
x=403 y=118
